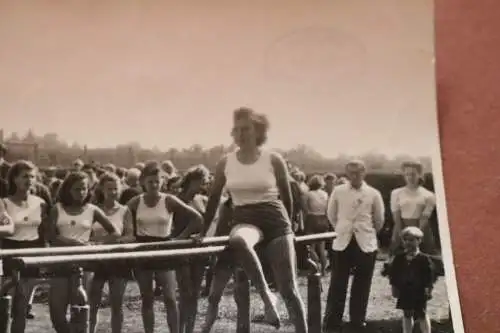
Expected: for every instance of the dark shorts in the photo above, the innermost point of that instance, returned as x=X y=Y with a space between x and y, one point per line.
x=270 y=217
x=150 y=264
x=8 y=268
x=113 y=270
x=416 y=304
x=315 y=224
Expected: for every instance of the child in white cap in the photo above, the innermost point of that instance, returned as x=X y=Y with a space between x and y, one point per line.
x=411 y=275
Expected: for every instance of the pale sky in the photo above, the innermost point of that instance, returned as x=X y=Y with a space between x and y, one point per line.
x=342 y=76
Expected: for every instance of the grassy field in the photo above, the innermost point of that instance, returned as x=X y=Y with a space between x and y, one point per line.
x=382 y=315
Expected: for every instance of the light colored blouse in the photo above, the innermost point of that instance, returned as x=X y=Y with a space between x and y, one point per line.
x=413 y=203
x=316 y=202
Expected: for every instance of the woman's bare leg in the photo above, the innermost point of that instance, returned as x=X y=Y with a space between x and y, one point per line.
x=281 y=253
x=168 y=283
x=144 y=279
x=197 y=270
x=117 y=286
x=242 y=240
x=20 y=305
x=221 y=276
x=59 y=295
x=95 y=296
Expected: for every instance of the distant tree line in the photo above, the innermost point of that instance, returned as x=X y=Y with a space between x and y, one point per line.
x=50 y=149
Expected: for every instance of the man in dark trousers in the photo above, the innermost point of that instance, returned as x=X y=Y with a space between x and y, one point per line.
x=356 y=211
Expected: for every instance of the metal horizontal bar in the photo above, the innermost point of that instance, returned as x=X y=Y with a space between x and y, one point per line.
x=314 y=238
x=111 y=248
x=89 y=258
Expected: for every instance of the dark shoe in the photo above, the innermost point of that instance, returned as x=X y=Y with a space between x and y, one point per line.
x=29 y=313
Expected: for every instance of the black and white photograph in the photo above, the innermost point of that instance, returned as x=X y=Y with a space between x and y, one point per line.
x=224 y=166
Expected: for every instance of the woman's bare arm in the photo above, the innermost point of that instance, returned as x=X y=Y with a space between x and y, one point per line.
x=282 y=177
x=177 y=206
x=128 y=228
x=215 y=193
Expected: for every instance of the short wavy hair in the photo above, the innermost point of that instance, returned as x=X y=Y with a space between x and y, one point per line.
x=260 y=122
x=414 y=164
x=14 y=171
x=105 y=177
x=316 y=182
x=151 y=168
x=64 y=193
x=198 y=172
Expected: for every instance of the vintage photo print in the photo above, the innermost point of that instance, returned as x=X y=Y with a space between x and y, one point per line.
x=278 y=162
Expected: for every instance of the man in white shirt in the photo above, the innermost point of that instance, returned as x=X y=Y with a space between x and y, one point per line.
x=356 y=212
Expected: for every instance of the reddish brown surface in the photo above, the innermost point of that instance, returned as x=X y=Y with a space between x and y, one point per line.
x=468 y=70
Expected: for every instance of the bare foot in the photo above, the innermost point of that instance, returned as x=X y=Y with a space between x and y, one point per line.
x=210 y=318
x=271 y=316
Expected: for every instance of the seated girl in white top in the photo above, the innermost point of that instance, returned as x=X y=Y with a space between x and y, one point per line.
x=28 y=214
x=258 y=183
x=116 y=274
x=413 y=205
x=152 y=218
x=70 y=223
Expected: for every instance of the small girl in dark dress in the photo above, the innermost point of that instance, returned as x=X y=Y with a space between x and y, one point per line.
x=411 y=275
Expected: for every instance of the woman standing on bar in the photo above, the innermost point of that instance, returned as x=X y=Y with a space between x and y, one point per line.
x=190 y=276
x=412 y=206
x=70 y=224
x=257 y=181
x=152 y=214
x=29 y=213
x=115 y=274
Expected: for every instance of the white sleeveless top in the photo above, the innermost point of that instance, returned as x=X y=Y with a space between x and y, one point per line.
x=116 y=219
x=77 y=227
x=252 y=183
x=26 y=220
x=153 y=221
